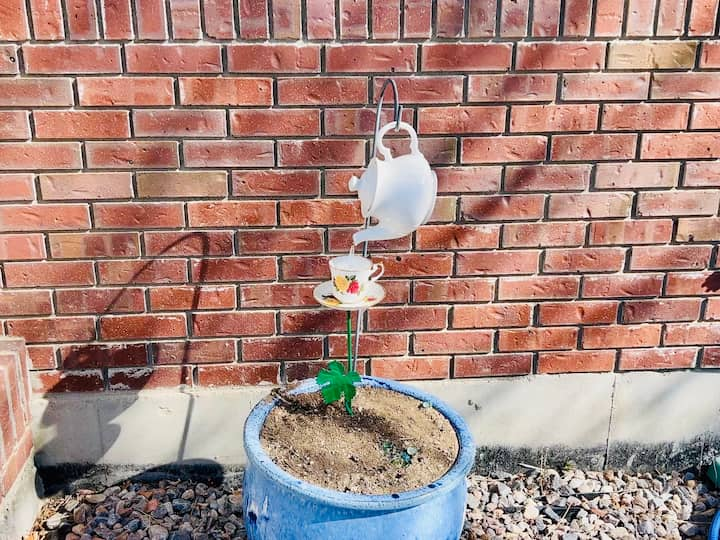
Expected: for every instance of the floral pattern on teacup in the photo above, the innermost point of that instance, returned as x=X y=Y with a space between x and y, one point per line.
x=347 y=284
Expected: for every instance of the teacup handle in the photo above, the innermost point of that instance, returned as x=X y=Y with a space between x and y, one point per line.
x=385 y=151
x=375 y=267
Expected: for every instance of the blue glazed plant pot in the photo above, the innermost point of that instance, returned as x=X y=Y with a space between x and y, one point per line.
x=279 y=506
x=715 y=528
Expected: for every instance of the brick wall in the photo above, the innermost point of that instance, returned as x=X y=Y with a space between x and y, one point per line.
x=174 y=178
x=15 y=436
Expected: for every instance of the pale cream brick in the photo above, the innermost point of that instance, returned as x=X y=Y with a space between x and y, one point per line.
x=652 y=54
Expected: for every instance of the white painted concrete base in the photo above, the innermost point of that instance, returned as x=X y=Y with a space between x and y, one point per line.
x=20 y=506
x=574 y=411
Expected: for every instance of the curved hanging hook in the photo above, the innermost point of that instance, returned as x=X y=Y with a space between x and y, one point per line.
x=397 y=108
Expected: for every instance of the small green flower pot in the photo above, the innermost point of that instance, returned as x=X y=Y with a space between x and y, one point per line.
x=714 y=472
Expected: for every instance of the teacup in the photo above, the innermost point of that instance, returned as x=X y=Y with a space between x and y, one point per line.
x=351 y=275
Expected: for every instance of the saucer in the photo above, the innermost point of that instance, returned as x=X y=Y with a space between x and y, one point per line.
x=323 y=293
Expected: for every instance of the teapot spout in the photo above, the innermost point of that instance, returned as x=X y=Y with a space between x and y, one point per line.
x=376 y=233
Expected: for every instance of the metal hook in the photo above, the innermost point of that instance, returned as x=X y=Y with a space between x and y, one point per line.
x=396 y=107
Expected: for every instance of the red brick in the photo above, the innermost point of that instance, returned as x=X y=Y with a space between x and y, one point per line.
x=685 y=86
x=321 y=152
x=416 y=264
x=69 y=186
x=497 y=262
x=47 y=19
x=126 y=327
x=304 y=267
x=231 y=213
x=189 y=243
x=584 y=260
x=621 y=286
x=340 y=240
x=560 y=313
x=272 y=122
x=593 y=147
x=468 y=179
x=538 y=287
x=712 y=309
x=151 y=21
x=281 y=241
x=366 y=58
x=386 y=19
x=511 y=87
x=95 y=301
x=322 y=91
x=680 y=145
x=705 y=116
x=179 y=123
x=647 y=231
x=46 y=217
x=546 y=18
x=282 y=348
x=228 y=153
x=53 y=330
x=541 y=118
x=225 y=91
x=547 y=178
x=42 y=357
x=103 y=356
x=692 y=334
x=13 y=303
x=287 y=19
x=299 y=370
x=503 y=149
x=149 y=271
x=8 y=59
x=94 y=245
x=370 y=345
x=138 y=215
x=702 y=17
x=192 y=298
x=236 y=323
x=154 y=58
x=553 y=56
x=654 y=359
x=185 y=19
x=312 y=321
x=454 y=290
x=502 y=207
x=710 y=54
x=605 y=86
x=489 y=365
x=576 y=361
x=636 y=175
x=491 y=315
x=17 y=187
x=67 y=381
x=117 y=19
x=273 y=58
x=58 y=59
x=534 y=339
x=601 y=337
x=253 y=19
x=132 y=154
x=149 y=378
x=450 y=18
x=359 y=121
x=238 y=374
x=81 y=124
x=711 y=357
x=236 y=269
x=670 y=257
x=34 y=156
x=466 y=56
x=661 y=310
x=414 y=367
x=48 y=274
x=457 y=237
x=461 y=120
x=418 y=18
x=432 y=90
x=15 y=23
x=674 y=203
x=14 y=125
x=698 y=230
x=407 y=318
x=645 y=116
x=543 y=234
x=353 y=19
x=671 y=17
x=320 y=16
x=275 y=182
x=640 y=17
x=452 y=342
x=100 y=91
x=195 y=352
x=82 y=19
x=590 y=205
x=277 y=295
x=514 y=18
x=702 y=174
x=437 y=150
x=36 y=92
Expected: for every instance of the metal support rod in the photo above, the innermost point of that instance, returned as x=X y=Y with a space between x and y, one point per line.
x=397 y=115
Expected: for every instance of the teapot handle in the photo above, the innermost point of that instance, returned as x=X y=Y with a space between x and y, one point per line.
x=384 y=150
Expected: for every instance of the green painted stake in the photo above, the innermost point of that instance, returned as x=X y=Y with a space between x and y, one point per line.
x=351 y=360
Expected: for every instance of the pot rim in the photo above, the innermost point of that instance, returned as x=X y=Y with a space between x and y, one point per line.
x=457 y=472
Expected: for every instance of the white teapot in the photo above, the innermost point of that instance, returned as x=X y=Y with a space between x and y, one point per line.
x=399 y=192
